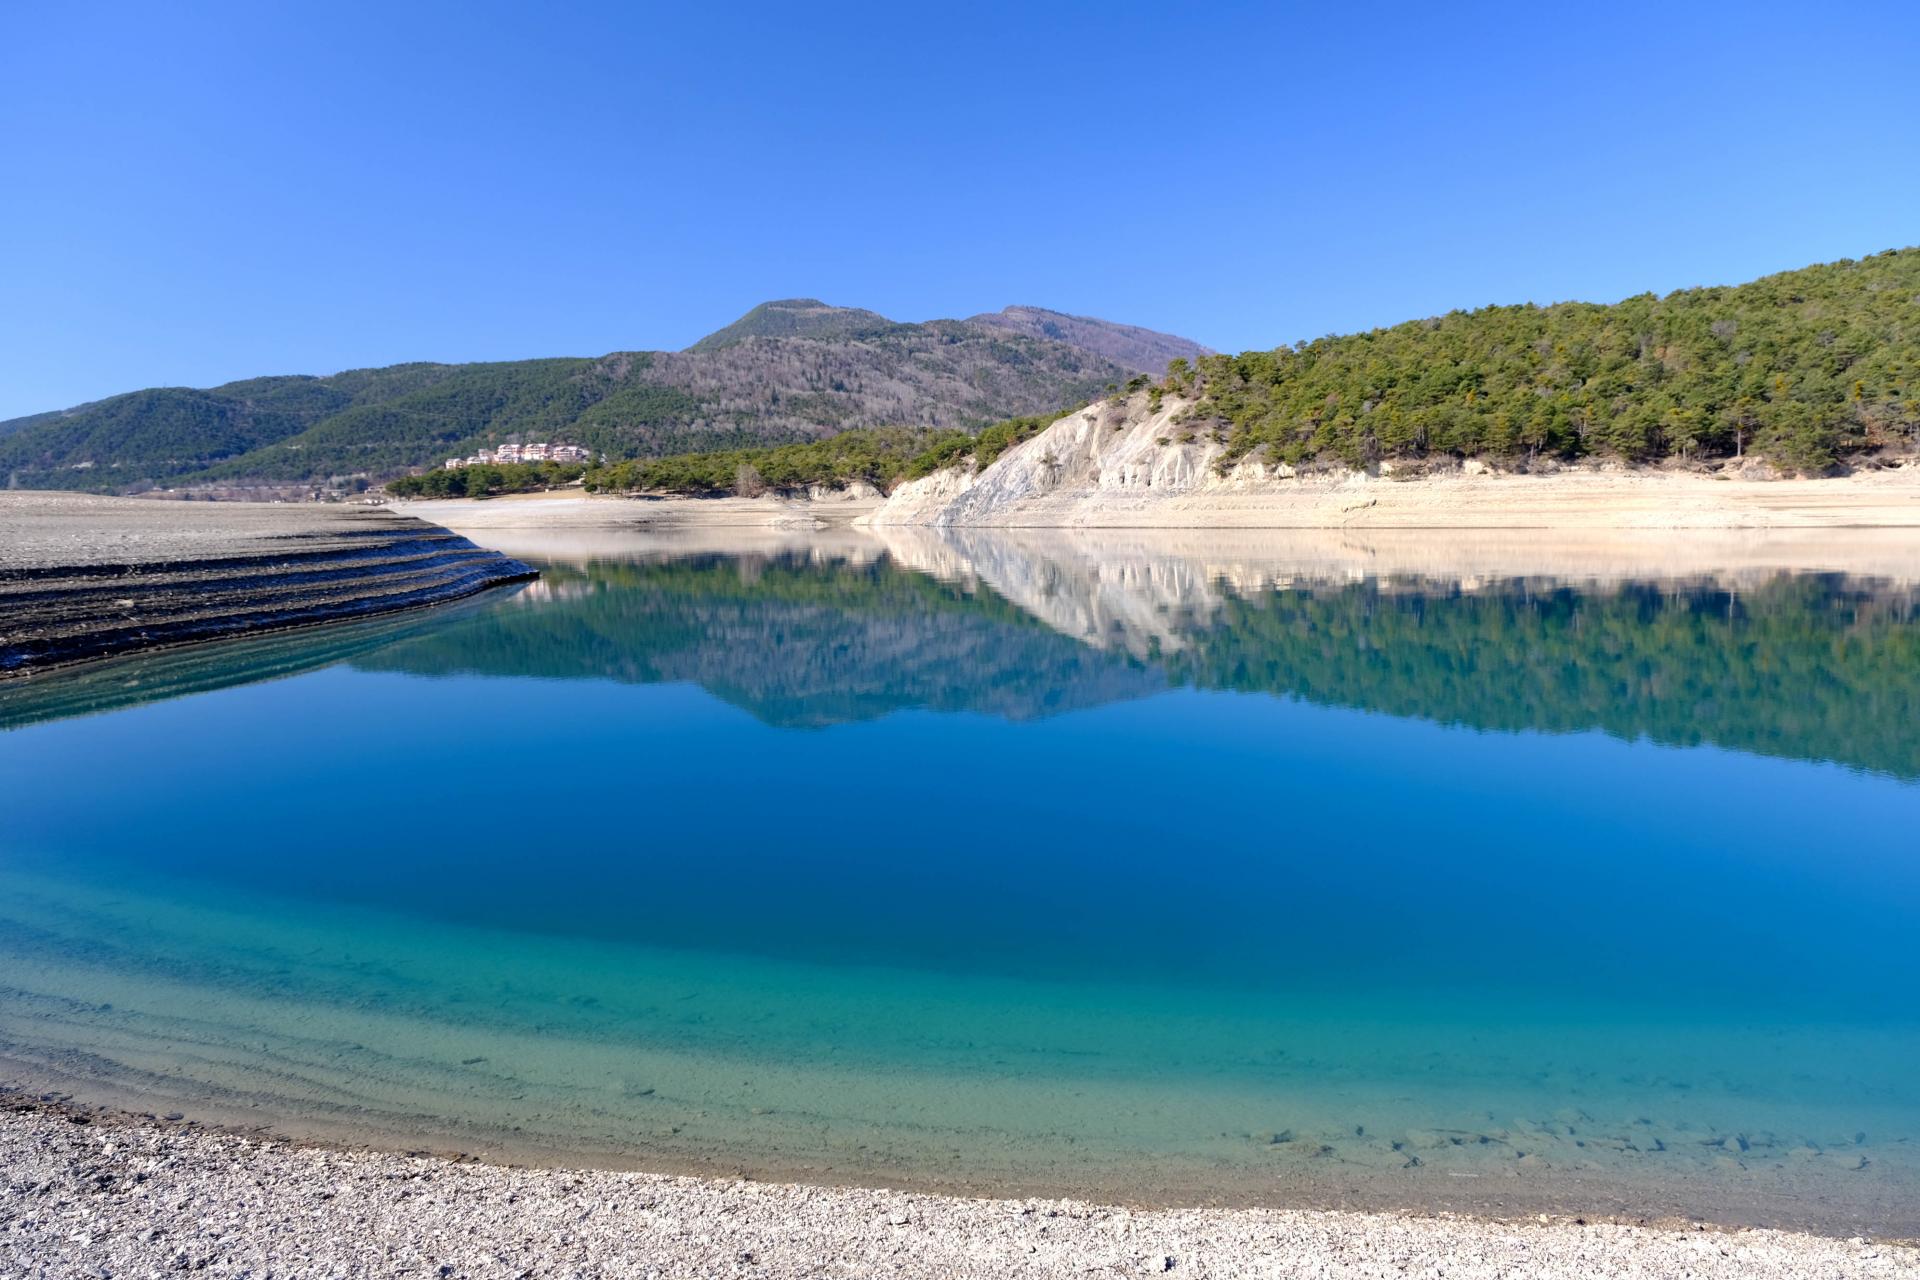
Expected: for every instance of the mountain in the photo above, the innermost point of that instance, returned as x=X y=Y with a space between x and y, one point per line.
x=15 y=425
x=787 y=371
x=1141 y=350
x=796 y=318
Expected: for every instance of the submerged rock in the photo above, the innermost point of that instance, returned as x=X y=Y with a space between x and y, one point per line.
x=1424 y=1139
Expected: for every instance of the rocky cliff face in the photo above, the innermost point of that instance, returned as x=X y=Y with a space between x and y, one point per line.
x=1131 y=463
x=1115 y=456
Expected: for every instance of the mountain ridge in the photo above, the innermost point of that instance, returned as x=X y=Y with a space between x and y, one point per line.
x=1142 y=350
x=795 y=318
x=788 y=370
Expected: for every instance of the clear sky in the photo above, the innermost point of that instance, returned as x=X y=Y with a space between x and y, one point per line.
x=196 y=192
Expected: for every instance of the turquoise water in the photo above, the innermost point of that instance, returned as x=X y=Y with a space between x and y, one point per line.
x=1500 y=895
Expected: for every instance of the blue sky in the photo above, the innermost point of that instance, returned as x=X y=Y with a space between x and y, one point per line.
x=196 y=192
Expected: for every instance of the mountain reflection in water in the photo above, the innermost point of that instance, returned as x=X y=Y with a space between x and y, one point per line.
x=995 y=861
x=1816 y=666
x=1813 y=666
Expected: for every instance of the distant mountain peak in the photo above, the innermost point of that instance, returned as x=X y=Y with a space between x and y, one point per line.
x=1137 y=349
x=795 y=318
x=1142 y=350
x=789 y=369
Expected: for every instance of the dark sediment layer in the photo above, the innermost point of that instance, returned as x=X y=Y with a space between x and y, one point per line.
x=84 y=578
x=136 y=679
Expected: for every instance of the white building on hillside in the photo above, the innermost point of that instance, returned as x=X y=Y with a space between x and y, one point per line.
x=538 y=452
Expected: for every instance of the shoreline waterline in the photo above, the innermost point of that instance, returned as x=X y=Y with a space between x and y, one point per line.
x=1590 y=500
x=27 y=1089
x=347 y=1027
x=139 y=1194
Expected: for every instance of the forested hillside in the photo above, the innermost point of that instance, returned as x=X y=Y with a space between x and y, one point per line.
x=1804 y=368
x=879 y=456
x=786 y=372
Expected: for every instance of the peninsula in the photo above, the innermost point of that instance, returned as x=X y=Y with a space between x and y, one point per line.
x=87 y=577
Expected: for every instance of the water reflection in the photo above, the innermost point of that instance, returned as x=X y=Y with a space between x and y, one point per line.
x=1805 y=665
x=791 y=857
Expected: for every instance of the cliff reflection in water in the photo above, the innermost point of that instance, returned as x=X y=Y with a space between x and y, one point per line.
x=796 y=640
x=1801 y=665
x=808 y=633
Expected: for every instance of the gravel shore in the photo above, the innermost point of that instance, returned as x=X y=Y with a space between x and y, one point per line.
x=84 y=577
x=41 y=530
x=106 y=1195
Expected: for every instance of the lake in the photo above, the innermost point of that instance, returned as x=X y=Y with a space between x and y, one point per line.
x=998 y=864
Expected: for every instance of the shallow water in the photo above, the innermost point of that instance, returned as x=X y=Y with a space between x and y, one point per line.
x=1016 y=870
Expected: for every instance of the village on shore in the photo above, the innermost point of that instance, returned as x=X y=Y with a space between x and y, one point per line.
x=538 y=452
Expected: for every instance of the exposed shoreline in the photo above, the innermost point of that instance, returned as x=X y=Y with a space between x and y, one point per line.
x=1586 y=500
x=1576 y=498
x=1632 y=521
x=577 y=528
x=103 y=1191
x=83 y=577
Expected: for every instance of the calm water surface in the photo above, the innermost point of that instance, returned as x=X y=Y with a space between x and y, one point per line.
x=1015 y=872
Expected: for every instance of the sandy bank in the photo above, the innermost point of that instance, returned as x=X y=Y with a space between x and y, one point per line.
x=573 y=528
x=1573 y=499
x=1074 y=477
x=576 y=510
x=1570 y=500
x=116 y=1196
x=85 y=577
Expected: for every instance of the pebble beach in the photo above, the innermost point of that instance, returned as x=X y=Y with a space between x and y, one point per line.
x=105 y=1195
